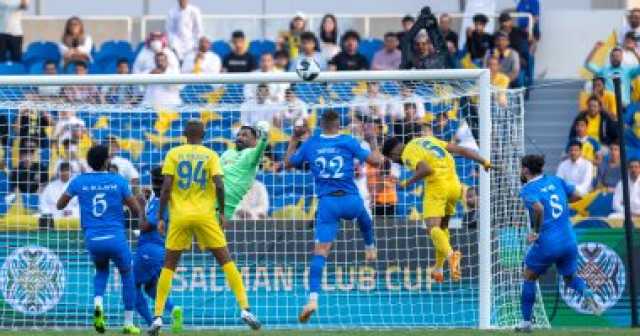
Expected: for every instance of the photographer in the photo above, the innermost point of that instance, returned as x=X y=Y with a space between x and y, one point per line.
x=423 y=47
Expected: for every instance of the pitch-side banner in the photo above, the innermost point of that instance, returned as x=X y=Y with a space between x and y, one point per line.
x=46 y=279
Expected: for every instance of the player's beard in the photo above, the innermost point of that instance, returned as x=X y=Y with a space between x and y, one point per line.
x=240 y=145
x=523 y=179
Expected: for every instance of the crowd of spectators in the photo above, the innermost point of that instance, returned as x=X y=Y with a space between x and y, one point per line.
x=425 y=42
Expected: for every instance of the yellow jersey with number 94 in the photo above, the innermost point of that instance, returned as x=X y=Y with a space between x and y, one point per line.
x=193 y=191
x=434 y=152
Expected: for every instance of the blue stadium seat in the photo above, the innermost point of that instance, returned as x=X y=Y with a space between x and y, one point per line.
x=368 y=47
x=259 y=47
x=193 y=93
x=601 y=206
x=10 y=68
x=41 y=50
x=309 y=92
x=221 y=48
x=113 y=50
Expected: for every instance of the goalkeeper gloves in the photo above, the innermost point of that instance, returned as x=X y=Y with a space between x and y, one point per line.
x=263 y=127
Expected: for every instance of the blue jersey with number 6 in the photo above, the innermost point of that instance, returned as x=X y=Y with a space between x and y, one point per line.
x=332 y=162
x=100 y=195
x=553 y=193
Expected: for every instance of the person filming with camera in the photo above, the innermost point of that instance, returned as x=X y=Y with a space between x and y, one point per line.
x=423 y=47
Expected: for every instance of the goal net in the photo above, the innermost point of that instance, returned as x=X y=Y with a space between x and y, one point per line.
x=48 y=124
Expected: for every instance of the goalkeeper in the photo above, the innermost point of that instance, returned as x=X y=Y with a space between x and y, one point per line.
x=240 y=164
x=431 y=161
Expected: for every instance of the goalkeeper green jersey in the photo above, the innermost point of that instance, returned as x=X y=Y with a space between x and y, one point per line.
x=240 y=169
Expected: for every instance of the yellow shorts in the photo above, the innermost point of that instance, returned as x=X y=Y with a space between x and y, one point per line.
x=441 y=199
x=206 y=230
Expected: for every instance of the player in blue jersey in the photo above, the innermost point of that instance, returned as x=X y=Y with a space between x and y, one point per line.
x=149 y=258
x=331 y=157
x=101 y=195
x=552 y=237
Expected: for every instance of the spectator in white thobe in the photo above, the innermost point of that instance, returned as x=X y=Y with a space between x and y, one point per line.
x=121 y=165
x=156 y=43
x=53 y=191
x=255 y=204
x=634 y=193
x=202 y=60
x=184 y=26
x=577 y=170
x=276 y=90
x=259 y=109
x=162 y=94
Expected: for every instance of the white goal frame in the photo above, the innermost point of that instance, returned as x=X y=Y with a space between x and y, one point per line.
x=480 y=76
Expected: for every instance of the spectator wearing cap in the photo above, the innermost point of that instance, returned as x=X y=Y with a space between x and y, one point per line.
x=202 y=60
x=75 y=45
x=276 y=90
x=329 y=36
x=52 y=192
x=423 y=47
x=576 y=170
x=162 y=94
x=389 y=57
x=309 y=49
x=632 y=24
x=615 y=68
x=289 y=41
x=349 y=59
x=146 y=60
x=11 y=33
x=508 y=58
x=407 y=22
x=607 y=98
x=478 y=40
x=184 y=28
x=449 y=35
x=239 y=60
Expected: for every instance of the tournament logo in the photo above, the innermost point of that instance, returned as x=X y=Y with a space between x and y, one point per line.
x=32 y=280
x=604 y=273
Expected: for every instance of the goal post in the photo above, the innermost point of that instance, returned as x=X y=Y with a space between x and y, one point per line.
x=273 y=252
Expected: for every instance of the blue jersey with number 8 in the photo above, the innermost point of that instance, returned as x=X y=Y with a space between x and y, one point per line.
x=553 y=193
x=331 y=159
x=100 y=195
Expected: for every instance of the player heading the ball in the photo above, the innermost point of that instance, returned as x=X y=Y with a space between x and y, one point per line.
x=432 y=163
x=331 y=156
x=552 y=238
x=194 y=191
x=101 y=195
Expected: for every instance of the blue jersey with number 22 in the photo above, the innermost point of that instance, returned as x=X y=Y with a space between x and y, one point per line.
x=100 y=195
x=331 y=159
x=553 y=193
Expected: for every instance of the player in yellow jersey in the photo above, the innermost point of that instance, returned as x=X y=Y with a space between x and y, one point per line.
x=194 y=191
x=431 y=161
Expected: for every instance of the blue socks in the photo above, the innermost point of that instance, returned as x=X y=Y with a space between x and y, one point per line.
x=527 y=299
x=100 y=279
x=142 y=307
x=128 y=289
x=315 y=273
x=366 y=229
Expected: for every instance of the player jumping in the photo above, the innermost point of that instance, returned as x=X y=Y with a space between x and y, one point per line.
x=331 y=157
x=431 y=161
x=192 y=188
x=552 y=237
x=240 y=165
x=101 y=195
x=149 y=257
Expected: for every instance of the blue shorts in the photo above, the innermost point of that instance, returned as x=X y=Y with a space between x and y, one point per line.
x=331 y=209
x=114 y=249
x=565 y=257
x=147 y=263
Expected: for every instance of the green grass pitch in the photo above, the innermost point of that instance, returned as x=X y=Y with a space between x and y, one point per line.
x=398 y=332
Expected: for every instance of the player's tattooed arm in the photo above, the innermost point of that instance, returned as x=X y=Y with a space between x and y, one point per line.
x=470 y=154
x=219 y=183
x=538 y=215
x=165 y=194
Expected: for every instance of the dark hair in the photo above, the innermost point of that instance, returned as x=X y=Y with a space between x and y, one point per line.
x=82 y=64
x=480 y=18
x=156 y=175
x=237 y=34
x=592 y=98
x=253 y=131
x=67 y=38
x=390 y=34
x=575 y=142
x=308 y=36
x=97 y=157
x=500 y=34
x=330 y=116
x=408 y=18
x=598 y=78
x=533 y=162
x=263 y=86
x=280 y=53
x=389 y=145
x=49 y=62
x=630 y=35
x=64 y=166
x=580 y=118
x=410 y=104
x=350 y=34
x=329 y=37
x=122 y=60
x=504 y=17
x=632 y=161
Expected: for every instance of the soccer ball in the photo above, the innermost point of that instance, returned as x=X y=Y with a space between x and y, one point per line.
x=308 y=69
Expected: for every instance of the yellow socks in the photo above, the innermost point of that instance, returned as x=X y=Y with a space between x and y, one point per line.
x=163 y=290
x=235 y=282
x=440 y=239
